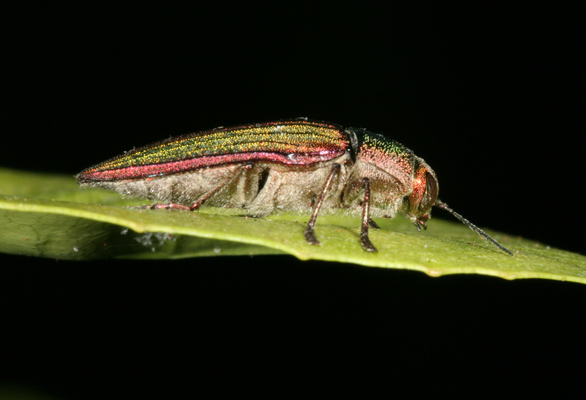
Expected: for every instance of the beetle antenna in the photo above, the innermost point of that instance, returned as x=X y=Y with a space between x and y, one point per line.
x=444 y=206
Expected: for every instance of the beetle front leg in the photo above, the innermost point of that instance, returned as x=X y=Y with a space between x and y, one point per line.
x=366 y=243
x=310 y=230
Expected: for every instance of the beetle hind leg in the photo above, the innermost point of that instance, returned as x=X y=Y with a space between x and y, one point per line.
x=206 y=196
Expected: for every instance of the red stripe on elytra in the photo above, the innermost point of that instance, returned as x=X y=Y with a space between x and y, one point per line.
x=147 y=171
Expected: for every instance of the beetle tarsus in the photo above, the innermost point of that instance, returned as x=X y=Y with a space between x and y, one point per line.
x=310 y=236
x=170 y=206
x=366 y=243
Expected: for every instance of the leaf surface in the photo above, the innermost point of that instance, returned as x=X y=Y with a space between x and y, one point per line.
x=50 y=216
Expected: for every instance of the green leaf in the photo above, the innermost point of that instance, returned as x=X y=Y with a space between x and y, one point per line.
x=50 y=216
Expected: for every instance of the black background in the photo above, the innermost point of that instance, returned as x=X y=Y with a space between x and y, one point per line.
x=489 y=96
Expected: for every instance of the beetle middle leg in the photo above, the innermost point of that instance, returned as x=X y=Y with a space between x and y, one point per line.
x=310 y=229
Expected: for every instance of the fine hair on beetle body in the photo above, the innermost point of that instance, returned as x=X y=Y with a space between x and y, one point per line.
x=295 y=166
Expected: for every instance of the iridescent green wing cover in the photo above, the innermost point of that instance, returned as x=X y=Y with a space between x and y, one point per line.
x=294 y=142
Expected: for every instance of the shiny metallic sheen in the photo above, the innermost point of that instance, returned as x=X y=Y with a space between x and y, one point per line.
x=298 y=166
x=295 y=142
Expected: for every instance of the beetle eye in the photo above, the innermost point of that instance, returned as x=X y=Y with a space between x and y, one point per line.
x=431 y=192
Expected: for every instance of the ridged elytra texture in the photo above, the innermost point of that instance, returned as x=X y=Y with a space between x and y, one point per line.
x=286 y=142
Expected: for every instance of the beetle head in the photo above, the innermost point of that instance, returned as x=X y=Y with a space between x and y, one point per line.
x=417 y=205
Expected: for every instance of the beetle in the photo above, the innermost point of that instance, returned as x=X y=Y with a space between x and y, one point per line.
x=298 y=165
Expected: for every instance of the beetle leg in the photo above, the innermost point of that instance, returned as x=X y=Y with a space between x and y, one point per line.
x=215 y=190
x=229 y=179
x=366 y=243
x=310 y=231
